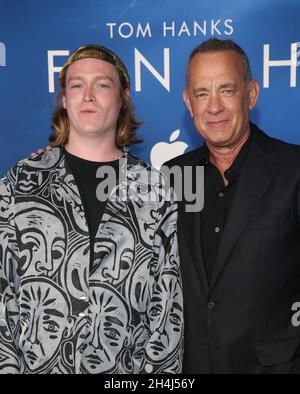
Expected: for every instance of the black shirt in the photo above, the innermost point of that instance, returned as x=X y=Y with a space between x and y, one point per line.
x=217 y=203
x=84 y=172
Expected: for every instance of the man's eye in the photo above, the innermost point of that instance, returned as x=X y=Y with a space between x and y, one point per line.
x=51 y=326
x=103 y=86
x=12 y=323
x=228 y=92
x=175 y=319
x=24 y=318
x=112 y=334
x=76 y=86
x=56 y=254
x=201 y=95
x=102 y=255
x=154 y=312
x=124 y=265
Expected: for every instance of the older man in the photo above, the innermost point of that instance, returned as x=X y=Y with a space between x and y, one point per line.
x=241 y=254
x=80 y=221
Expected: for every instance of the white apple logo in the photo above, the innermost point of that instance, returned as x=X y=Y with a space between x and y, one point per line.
x=163 y=151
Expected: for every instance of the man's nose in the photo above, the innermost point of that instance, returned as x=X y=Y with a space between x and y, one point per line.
x=112 y=273
x=33 y=336
x=88 y=95
x=215 y=104
x=96 y=342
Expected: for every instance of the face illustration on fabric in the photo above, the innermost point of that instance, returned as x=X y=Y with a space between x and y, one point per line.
x=114 y=252
x=30 y=179
x=166 y=315
x=144 y=192
x=108 y=330
x=5 y=202
x=44 y=312
x=169 y=253
x=42 y=241
x=9 y=314
x=138 y=286
x=75 y=275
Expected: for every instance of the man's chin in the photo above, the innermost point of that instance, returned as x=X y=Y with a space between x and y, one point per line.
x=216 y=138
x=219 y=143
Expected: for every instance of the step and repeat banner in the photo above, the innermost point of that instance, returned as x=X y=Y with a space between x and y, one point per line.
x=154 y=38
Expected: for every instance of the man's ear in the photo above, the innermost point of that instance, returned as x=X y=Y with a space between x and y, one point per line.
x=63 y=101
x=186 y=99
x=253 y=93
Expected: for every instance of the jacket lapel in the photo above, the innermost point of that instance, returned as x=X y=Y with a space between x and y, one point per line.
x=189 y=232
x=258 y=171
x=61 y=183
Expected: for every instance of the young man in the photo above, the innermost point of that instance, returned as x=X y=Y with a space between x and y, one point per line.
x=241 y=254
x=89 y=268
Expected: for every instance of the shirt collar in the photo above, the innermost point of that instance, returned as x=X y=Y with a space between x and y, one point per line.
x=235 y=169
x=239 y=160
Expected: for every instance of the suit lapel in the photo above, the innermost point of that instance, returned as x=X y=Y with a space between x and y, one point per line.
x=189 y=232
x=191 y=252
x=258 y=171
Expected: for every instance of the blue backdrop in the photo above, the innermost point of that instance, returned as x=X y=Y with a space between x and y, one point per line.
x=154 y=37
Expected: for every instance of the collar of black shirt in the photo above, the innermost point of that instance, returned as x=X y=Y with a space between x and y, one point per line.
x=233 y=172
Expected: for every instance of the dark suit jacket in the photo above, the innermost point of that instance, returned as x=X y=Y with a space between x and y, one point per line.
x=242 y=321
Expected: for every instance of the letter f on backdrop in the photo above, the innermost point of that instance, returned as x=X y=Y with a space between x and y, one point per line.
x=2 y=54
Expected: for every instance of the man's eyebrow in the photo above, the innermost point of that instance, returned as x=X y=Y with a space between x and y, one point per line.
x=53 y=312
x=76 y=77
x=98 y=77
x=114 y=320
x=25 y=306
x=200 y=89
x=228 y=85
x=13 y=313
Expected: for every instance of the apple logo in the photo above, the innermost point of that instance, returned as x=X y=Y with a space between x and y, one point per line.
x=163 y=151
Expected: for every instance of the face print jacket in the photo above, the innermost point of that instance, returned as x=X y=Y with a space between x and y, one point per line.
x=59 y=315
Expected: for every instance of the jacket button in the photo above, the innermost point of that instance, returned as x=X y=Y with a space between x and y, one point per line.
x=211 y=305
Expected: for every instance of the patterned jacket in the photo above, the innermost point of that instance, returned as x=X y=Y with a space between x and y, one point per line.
x=59 y=315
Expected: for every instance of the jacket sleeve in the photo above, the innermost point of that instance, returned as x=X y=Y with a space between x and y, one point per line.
x=9 y=315
x=164 y=350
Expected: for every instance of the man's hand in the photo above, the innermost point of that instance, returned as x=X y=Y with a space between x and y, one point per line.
x=40 y=151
